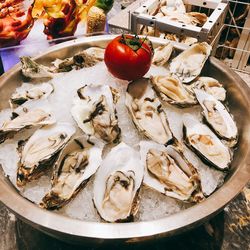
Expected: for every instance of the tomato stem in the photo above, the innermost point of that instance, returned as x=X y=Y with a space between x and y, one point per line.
x=135 y=43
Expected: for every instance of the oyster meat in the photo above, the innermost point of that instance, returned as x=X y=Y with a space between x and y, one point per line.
x=117 y=184
x=85 y=58
x=41 y=150
x=77 y=162
x=217 y=116
x=199 y=138
x=188 y=64
x=30 y=92
x=171 y=90
x=168 y=171
x=29 y=115
x=33 y=70
x=95 y=113
x=147 y=113
x=185 y=18
x=211 y=86
x=162 y=54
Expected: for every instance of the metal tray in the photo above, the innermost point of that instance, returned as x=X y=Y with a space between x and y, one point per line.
x=72 y=230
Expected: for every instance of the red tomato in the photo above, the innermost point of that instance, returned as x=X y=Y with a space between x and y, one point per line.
x=128 y=57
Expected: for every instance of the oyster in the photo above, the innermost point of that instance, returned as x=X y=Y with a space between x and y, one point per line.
x=94 y=112
x=200 y=18
x=188 y=65
x=173 y=6
x=168 y=171
x=199 y=138
x=33 y=70
x=217 y=116
x=117 y=184
x=41 y=150
x=211 y=86
x=85 y=58
x=77 y=162
x=147 y=113
x=184 y=18
x=35 y=92
x=29 y=115
x=172 y=91
x=162 y=54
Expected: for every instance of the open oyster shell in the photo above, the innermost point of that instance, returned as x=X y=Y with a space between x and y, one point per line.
x=117 y=184
x=77 y=162
x=172 y=6
x=30 y=92
x=217 y=116
x=29 y=115
x=210 y=85
x=162 y=54
x=95 y=113
x=86 y=58
x=147 y=113
x=41 y=150
x=168 y=171
x=188 y=64
x=172 y=91
x=199 y=138
x=33 y=70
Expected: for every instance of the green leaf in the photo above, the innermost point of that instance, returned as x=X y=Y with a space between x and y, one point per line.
x=106 y=5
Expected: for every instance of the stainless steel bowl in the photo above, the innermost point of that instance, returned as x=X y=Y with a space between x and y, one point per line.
x=92 y=232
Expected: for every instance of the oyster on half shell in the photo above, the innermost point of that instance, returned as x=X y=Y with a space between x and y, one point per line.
x=210 y=85
x=172 y=91
x=117 y=184
x=168 y=171
x=77 y=162
x=41 y=150
x=162 y=54
x=33 y=70
x=199 y=138
x=86 y=58
x=217 y=116
x=188 y=64
x=147 y=113
x=29 y=115
x=95 y=113
x=30 y=92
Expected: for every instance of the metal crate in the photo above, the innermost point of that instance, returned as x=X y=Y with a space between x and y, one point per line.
x=215 y=10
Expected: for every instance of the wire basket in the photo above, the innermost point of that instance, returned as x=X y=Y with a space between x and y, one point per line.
x=232 y=43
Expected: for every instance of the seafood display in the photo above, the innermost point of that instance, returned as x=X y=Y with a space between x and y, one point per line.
x=107 y=142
